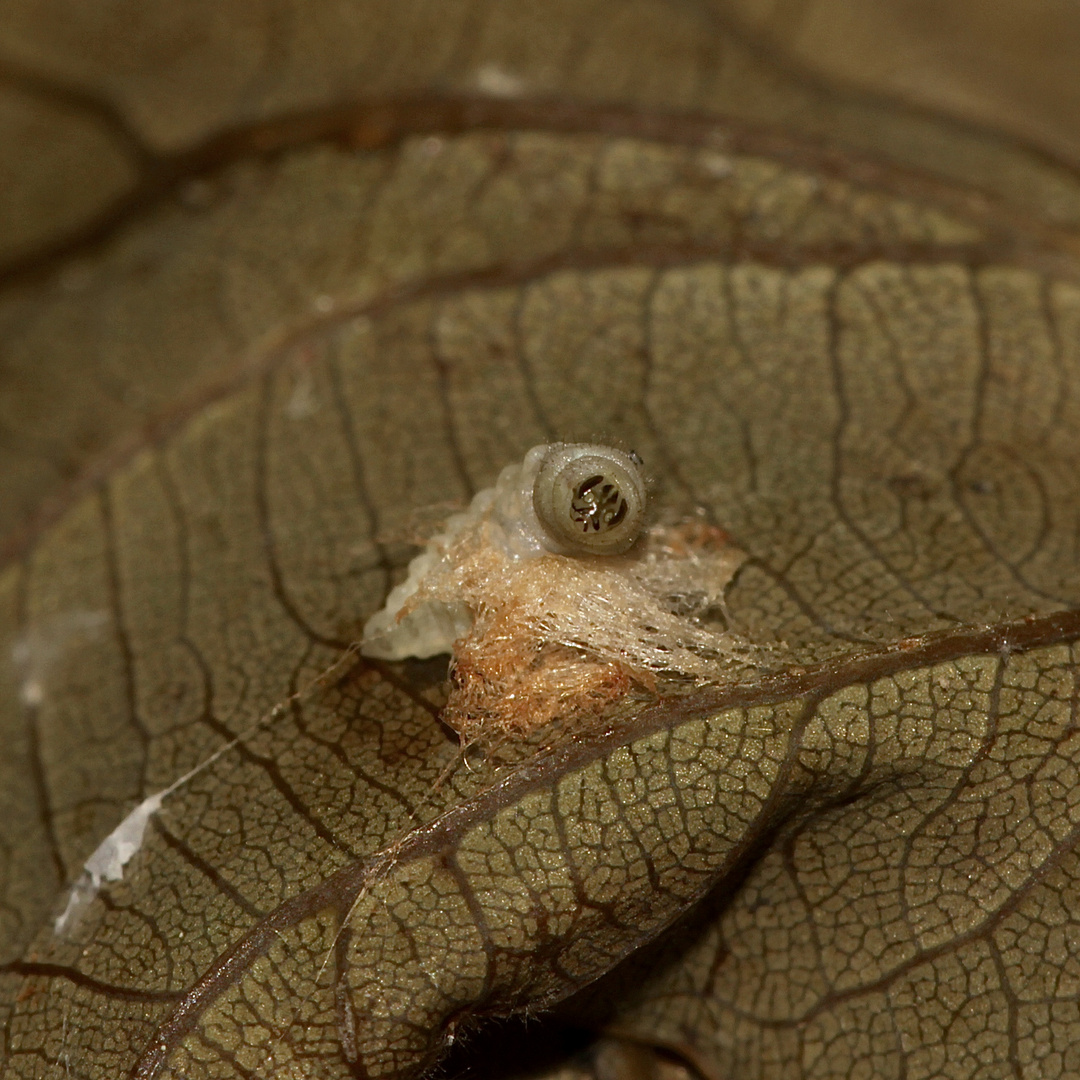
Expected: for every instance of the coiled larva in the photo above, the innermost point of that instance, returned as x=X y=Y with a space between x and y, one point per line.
x=554 y=598
x=590 y=500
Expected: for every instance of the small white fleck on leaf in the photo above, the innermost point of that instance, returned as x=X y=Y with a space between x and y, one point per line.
x=492 y=79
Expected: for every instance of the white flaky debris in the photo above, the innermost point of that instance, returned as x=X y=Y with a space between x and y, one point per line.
x=108 y=860
x=111 y=857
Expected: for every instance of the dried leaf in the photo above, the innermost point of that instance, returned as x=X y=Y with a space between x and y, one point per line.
x=859 y=862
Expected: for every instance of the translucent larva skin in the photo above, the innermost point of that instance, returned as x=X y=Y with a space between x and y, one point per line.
x=526 y=514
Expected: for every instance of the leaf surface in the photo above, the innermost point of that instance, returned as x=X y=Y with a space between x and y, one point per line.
x=860 y=859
